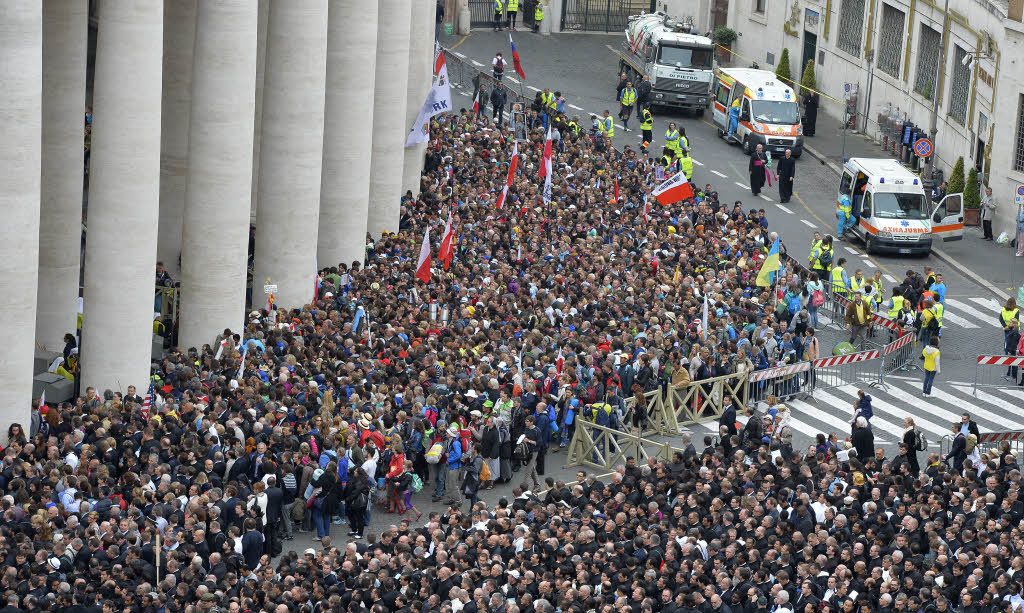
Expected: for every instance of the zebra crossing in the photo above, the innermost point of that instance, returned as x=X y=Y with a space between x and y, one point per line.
x=994 y=409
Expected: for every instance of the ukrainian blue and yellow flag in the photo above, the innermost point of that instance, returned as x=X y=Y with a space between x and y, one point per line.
x=766 y=276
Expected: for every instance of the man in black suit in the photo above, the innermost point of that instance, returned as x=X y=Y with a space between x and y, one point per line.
x=275 y=504
x=958 y=450
x=252 y=544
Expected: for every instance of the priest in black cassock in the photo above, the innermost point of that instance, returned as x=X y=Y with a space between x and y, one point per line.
x=758 y=169
x=787 y=172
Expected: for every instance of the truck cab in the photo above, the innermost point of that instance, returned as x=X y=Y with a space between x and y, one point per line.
x=891 y=212
x=769 y=113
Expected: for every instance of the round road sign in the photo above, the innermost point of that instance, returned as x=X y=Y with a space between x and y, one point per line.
x=1020 y=190
x=923 y=147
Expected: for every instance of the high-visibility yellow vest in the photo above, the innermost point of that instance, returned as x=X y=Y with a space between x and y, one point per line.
x=897 y=306
x=929 y=358
x=628 y=97
x=845 y=205
x=838 y=286
x=686 y=163
x=672 y=139
x=856 y=284
x=539 y=13
x=497 y=6
x=939 y=309
x=817 y=258
x=609 y=127
x=1008 y=316
x=648 y=120
x=815 y=245
x=513 y=5
x=685 y=142
x=547 y=99
x=575 y=128
x=666 y=161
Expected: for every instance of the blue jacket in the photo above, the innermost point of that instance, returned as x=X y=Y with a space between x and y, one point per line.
x=454 y=454
x=544 y=427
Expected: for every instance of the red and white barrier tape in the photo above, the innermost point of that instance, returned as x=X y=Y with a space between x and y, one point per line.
x=780 y=371
x=839 y=360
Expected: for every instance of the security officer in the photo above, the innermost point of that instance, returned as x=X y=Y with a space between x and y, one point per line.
x=672 y=138
x=686 y=164
x=547 y=99
x=684 y=142
x=857 y=281
x=574 y=125
x=840 y=282
x=879 y=290
x=666 y=159
x=608 y=124
x=538 y=16
x=1009 y=313
x=511 y=10
x=815 y=246
x=498 y=10
x=626 y=102
x=896 y=303
x=822 y=258
x=647 y=125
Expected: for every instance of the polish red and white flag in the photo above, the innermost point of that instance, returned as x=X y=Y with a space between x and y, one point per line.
x=545 y=167
x=447 y=239
x=423 y=267
x=512 y=165
x=674 y=189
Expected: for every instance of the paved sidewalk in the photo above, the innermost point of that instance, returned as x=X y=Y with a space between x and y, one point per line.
x=988 y=264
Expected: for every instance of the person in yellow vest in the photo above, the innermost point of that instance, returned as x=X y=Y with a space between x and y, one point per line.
x=930 y=322
x=672 y=138
x=931 y=356
x=822 y=258
x=538 y=16
x=897 y=308
x=686 y=164
x=666 y=159
x=512 y=9
x=647 y=125
x=815 y=246
x=879 y=292
x=857 y=281
x=1009 y=313
x=608 y=126
x=858 y=316
x=840 y=282
x=574 y=125
x=547 y=99
x=626 y=101
x=499 y=8
x=684 y=143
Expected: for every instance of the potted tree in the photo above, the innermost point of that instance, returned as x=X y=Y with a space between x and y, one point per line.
x=724 y=38
x=972 y=199
x=782 y=70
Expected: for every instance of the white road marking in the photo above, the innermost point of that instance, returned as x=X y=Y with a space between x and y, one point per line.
x=476 y=63
x=718 y=174
x=532 y=88
x=457 y=54
x=881 y=405
x=970 y=309
x=988 y=304
x=578 y=108
x=808 y=223
x=784 y=209
x=963 y=322
x=763 y=197
x=985 y=413
x=870 y=264
x=890 y=278
x=823 y=416
x=513 y=79
x=698 y=163
x=744 y=186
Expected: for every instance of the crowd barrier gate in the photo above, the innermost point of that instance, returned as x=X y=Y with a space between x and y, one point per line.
x=605 y=448
x=993 y=441
x=991 y=370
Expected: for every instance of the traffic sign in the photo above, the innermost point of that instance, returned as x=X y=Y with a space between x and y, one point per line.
x=923 y=147
x=269 y=289
x=1019 y=198
x=846 y=88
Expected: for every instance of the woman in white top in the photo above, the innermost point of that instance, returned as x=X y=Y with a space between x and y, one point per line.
x=260 y=500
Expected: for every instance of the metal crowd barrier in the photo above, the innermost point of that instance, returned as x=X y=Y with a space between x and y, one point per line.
x=783 y=382
x=993 y=441
x=992 y=370
x=702 y=401
x=605 y=448
x=900 y=355
x=465 y=76
x=945 y=444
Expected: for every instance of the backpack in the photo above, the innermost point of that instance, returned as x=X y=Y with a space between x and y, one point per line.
x=920 y=442
x=817 y=299
x=465 y=438
x=430 y=413
x=417 y=483
x=825 y=259
x=485 y=472
x=794 y=304
x=434 y=453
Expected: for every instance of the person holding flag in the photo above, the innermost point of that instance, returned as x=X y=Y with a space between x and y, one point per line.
x=513 y=164
x=770 y=266
x=545 y=168
x=675 y=189
x=447 y=239
x=423 y=265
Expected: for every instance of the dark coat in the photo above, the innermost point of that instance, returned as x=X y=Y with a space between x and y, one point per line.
x=498 y=97
x=864 y=442
x=275 y=502
x=957 y=452
x=490 y=445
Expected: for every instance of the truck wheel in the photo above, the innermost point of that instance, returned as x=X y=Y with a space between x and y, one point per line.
x=869 y=245
x=721 y=133
x=747 y=148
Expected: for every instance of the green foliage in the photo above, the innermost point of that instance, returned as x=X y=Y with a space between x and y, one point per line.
x=724 y=36
x=972 y=193
x=956 y=178
x=782 y=70
x=808 y=79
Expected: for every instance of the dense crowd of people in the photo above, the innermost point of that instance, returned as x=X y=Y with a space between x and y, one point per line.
x=387 y=390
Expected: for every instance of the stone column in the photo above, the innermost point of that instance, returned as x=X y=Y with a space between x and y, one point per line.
x=65 y=37
x=178 y=40
x=421 y=71
x=293 y=123
x=348 y=131
x=21 y=72
x=261 y=63
x=389 y=102
x=215 y=235
x=124 y=196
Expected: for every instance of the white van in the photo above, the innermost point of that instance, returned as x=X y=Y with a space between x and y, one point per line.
x=891 y=211
x=769 y=114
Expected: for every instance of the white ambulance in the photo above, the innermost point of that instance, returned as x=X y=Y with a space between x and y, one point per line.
x=769 y=113
x=891 y=211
